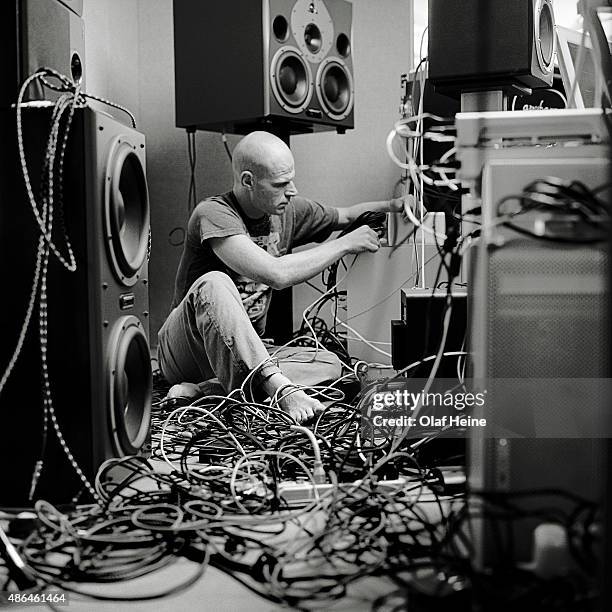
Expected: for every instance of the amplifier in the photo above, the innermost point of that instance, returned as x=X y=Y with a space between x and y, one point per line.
x=422 y=313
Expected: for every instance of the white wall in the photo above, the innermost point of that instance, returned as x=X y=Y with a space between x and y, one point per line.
x=129 y=58
x=354 y=167
x=111 y=51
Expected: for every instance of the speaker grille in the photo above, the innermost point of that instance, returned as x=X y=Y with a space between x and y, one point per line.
x=546 y=316
x=540 y=293
x=126 y=211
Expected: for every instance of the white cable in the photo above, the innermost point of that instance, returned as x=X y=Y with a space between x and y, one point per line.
x=319 y=299
x=206 y=413
x=423 y=227
x=432 y=374
x=414 y=169
x=420 y=129
x=259 y=453
x=313 y=441
x=361 y=338
x=578 y=68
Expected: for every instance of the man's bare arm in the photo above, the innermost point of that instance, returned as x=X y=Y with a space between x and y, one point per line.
x=350 y=213
x=241 y=255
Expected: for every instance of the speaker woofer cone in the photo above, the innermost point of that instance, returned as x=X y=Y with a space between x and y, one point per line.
x=335 y=88
x=291 y=80
x=127 y=212
x=544 y=20
x=129 y=385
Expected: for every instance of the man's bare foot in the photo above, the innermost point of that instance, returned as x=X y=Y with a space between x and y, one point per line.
x=185 y=390
x=299 y=405
x=295 y=402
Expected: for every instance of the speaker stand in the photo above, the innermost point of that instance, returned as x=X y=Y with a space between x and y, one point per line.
x=279 y=324
x=481 y=101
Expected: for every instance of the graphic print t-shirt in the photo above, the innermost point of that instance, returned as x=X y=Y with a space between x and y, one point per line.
x=303 y=221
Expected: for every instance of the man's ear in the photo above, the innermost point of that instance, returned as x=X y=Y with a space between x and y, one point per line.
x=247 y=180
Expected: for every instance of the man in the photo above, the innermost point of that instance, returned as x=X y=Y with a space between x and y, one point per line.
x=237 y=249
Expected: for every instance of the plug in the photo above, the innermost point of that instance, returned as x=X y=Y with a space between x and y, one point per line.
x=319 y=473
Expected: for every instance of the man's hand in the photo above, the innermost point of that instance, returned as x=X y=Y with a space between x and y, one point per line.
x=399 y=205
x=364 y=238
x=396 y=205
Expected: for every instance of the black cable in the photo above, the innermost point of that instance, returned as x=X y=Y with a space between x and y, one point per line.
x=562 y=198
x=227 y=149
x=192 y=155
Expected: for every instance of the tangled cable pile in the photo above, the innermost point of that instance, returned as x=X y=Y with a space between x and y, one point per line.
x=220 y=501
x=227 y=509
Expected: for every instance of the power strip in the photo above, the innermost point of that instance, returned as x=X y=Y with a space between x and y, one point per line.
x=300 y=493
x=303 y=492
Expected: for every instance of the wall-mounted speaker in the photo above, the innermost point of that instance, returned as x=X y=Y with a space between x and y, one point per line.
x=241 y=63
x=36 y=34
x=485 y=44
x=97 y=317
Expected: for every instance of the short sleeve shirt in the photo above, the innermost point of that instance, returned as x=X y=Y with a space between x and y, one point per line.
x=302 y=221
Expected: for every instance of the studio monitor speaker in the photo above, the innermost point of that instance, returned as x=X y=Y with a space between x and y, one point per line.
x=97 y=349
x=485 y=44
x=239 y=63
x=36 y=34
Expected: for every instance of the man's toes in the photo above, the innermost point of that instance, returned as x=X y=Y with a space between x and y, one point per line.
x=183 y=390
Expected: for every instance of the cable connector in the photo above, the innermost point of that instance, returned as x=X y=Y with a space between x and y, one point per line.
x=35 y=477
x=319 y=473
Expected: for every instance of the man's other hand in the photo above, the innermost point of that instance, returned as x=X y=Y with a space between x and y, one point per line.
x=364 y=238
x=399 y=205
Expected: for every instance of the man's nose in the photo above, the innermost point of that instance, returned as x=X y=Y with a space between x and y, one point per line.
x=291 y=190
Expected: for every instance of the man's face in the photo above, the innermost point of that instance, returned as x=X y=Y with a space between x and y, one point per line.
x=275 y=188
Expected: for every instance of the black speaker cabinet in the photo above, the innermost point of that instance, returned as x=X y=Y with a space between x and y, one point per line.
x=485 y=44
x=36 y=34
x=97 y=350
x=239 y=63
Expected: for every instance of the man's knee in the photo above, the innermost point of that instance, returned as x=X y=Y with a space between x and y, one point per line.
x=215 y=290
x=214 y=286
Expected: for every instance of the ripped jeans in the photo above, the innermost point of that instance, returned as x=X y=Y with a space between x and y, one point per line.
x=209 y=334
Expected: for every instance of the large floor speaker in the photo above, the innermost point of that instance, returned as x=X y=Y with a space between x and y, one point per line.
x=239 y=63
x=484 y=44
x=36 y=34
x=97 y=350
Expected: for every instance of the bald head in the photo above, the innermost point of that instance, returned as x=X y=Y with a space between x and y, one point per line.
x=261 y=153
x=263 y=174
